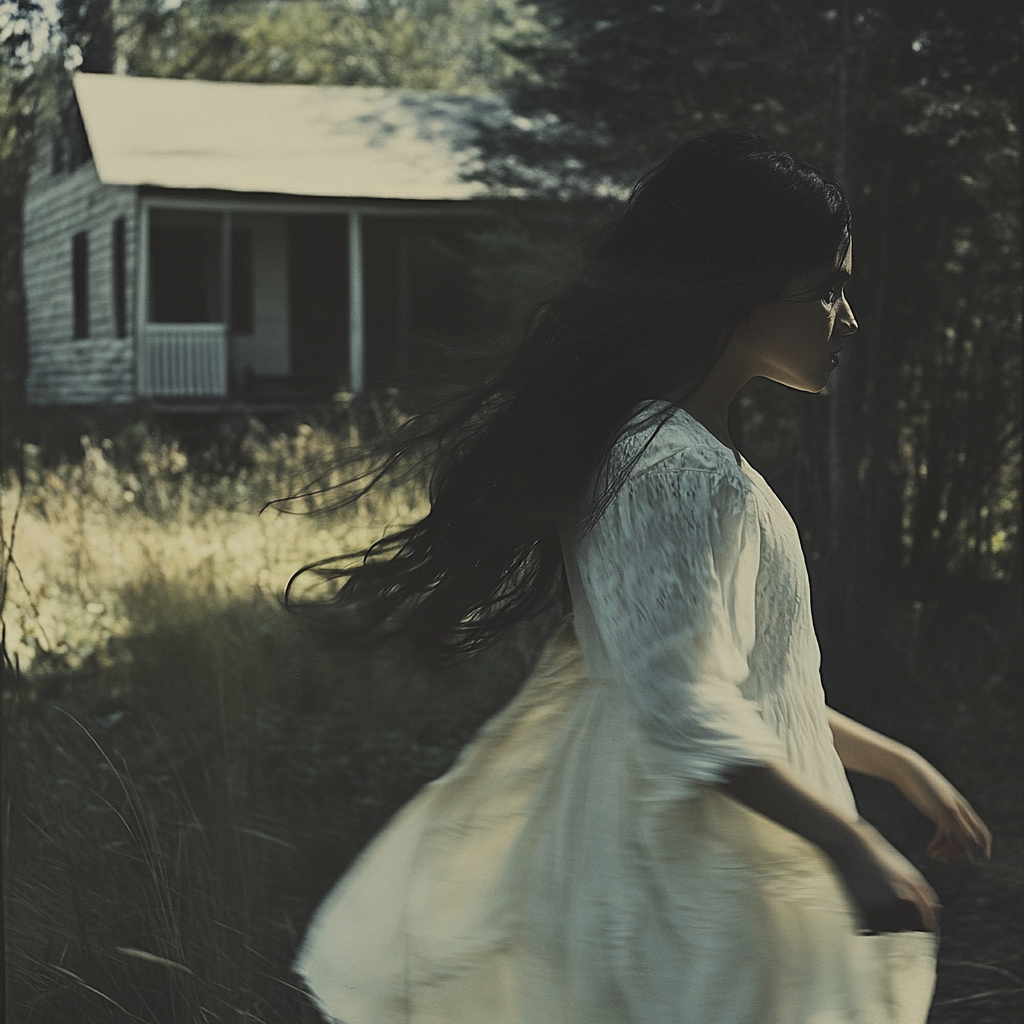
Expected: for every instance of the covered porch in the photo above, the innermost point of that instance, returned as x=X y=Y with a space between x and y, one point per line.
x=271 y=300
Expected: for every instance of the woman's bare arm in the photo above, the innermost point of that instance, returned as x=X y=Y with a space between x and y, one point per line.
x=960 y=832
x=863 y=750
x=890 y=893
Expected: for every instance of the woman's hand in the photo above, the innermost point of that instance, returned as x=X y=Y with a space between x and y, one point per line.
x=887 y=889
x=959 y=830
x=890 y=893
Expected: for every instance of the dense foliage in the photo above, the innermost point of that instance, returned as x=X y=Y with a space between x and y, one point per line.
x=909 y=474
x=416 y=44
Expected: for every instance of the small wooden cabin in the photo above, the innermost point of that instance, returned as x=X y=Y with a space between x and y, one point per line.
x=194 y=244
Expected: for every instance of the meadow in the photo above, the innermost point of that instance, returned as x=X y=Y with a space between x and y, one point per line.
x=187 y=769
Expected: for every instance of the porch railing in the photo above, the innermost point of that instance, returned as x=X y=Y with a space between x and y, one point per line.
x=184 y=361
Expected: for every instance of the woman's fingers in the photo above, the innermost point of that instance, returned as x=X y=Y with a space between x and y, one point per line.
x=977 y=829
x=975 y=841
x=938 y=848
x=961 y=833
x=936 y=797
x=927 y=902
x=917 y=910
x=944 y=848
x=890 y=893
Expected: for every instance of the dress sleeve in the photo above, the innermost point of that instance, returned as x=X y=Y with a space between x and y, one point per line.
x=669 y=573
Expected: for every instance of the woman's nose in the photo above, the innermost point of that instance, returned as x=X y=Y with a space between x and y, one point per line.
x=847 y=320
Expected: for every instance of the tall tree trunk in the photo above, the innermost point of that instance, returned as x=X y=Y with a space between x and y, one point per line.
x=843 y=98
x=842 y=527
x=881 y=555
x=89 y=25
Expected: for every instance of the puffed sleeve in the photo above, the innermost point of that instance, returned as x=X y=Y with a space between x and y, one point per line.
x=669 y=574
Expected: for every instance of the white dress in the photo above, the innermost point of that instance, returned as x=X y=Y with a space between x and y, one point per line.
x=577 y=864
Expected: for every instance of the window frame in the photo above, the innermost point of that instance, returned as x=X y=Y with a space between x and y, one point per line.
x=119 y=276
x=80 y=312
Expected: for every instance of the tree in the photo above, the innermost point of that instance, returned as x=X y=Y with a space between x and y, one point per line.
x=88 y=26
x=27 y=76
x=415 y=44
x=608 y=86
x=913 y=104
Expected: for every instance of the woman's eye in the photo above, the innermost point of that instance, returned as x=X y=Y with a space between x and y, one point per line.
x=831 y=297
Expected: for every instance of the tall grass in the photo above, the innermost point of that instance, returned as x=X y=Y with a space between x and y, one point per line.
x=187 y=771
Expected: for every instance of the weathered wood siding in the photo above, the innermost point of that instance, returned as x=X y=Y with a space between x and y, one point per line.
x=64 y=370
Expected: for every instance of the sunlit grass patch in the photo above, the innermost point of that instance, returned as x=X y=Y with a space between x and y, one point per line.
x=187 y=770
x=89 y=535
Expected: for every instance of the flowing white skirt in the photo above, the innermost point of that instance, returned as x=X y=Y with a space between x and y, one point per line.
x=555 y=876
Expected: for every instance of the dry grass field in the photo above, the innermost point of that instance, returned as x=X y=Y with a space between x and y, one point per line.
x=186 y=770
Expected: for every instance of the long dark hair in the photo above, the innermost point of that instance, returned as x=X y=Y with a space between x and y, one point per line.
x=716 y=229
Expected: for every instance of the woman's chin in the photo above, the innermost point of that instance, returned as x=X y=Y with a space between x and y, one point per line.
x=812 y=387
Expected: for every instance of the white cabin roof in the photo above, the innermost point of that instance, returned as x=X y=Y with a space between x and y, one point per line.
x=304 y=140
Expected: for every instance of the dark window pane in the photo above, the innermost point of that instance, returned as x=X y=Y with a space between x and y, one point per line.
x=120 y=279
x=80 y=284
x=241 y=281
x=184 y=273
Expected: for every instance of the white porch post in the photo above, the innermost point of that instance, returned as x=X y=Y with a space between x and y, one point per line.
x=356 y=339
x=225 y=299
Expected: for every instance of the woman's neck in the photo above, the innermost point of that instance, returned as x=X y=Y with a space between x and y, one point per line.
x=714 y=418
x=710 y=403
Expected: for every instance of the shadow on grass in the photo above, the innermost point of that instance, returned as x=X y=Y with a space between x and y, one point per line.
x=175 y=813
x=176 y=809
x=955 y=692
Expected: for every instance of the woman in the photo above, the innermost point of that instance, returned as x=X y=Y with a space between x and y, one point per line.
x=658 y=829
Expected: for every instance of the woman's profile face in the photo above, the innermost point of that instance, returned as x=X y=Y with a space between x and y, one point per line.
x=795 y=339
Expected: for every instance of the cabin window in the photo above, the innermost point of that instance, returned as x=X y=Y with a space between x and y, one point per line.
x=184 y=268
x=80 y=284
x=119 y=278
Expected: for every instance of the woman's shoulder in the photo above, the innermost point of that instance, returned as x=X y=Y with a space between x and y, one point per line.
x=662 y=438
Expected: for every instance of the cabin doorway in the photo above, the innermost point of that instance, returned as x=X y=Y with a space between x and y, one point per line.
x=318 y=303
